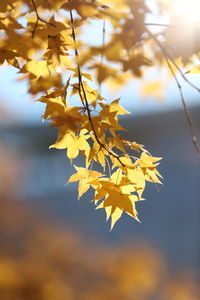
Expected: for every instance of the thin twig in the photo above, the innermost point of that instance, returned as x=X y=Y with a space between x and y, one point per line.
x=186 y=109
x=80 y=83
x=183 y=75
x=102 y=52
x=158 y=24
x=164 y=51
x=84 y=99
x=38 y=19
x=77 y=63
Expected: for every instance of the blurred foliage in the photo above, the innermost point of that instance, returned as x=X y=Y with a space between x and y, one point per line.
x=40 y=261
x=10 y=171
x=44 y=261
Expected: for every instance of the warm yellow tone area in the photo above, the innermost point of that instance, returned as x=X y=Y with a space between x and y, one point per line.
x=44 y=262
x=43 y=40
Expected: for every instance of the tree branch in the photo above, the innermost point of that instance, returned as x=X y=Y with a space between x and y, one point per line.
x=186 y=109
x=183 y=75
x=38 y=19
x=158 y=24
x=102 y=52
x=84 y=99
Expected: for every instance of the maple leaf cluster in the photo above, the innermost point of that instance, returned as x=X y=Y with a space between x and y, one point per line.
x=43 y=40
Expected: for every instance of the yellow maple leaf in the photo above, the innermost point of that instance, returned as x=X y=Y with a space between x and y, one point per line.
x=194 y=70
x=147 y=161
x=117 y=204
x=115 y=107
x=136 y=146
x=73 y=144
x=36 y=68
x=150 y=175
x=136 y=176
x=85 y=178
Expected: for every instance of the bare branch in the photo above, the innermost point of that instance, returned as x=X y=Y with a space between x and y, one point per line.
x=183 y=75
x=169 y=61
x=164 y=51
x=186 y=111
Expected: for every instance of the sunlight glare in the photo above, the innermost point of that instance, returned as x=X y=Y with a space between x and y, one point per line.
x=189 y=9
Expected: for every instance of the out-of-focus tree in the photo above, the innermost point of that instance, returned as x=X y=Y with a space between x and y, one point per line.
x=43 y=40
x=10 y=175
x=44 y=262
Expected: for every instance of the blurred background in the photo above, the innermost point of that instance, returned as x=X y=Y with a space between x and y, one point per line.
x=56 y=247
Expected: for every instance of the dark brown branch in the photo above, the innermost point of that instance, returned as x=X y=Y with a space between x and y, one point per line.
x=183 y=75
x=102 y=52
x=158 y=24
x=38 y=19
x=77 y=63
x=84 y=99
x=186 y=109
x=80 y=82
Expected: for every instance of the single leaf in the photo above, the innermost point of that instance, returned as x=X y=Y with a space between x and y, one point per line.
x=194 y=70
